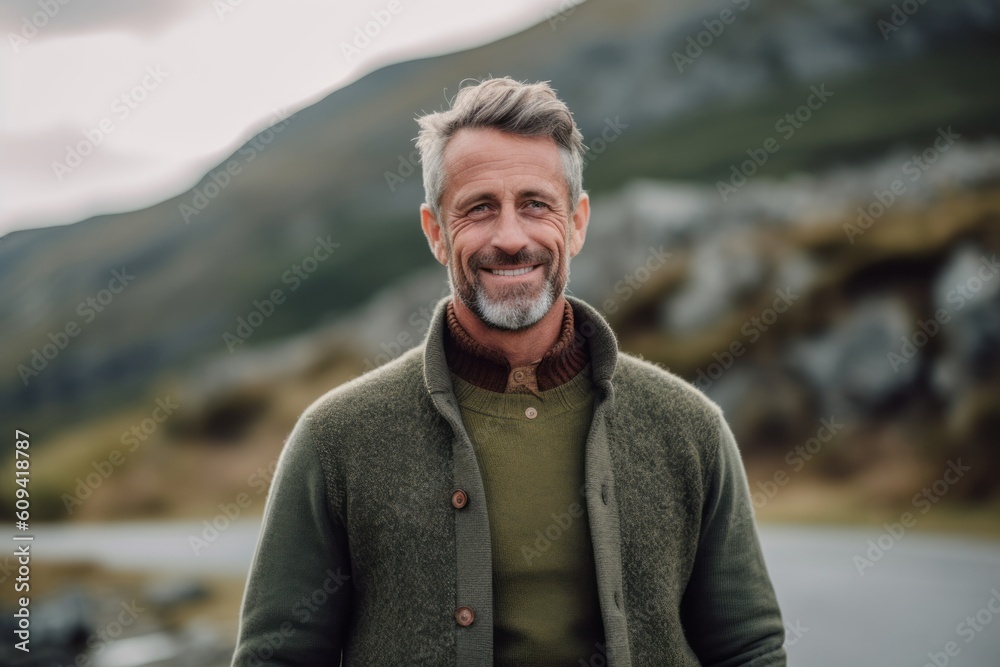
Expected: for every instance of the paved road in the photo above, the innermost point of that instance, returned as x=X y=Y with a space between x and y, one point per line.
x=902 y=610
x=908 y=604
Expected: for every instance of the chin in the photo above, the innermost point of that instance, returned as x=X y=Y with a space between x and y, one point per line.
x=513 y=314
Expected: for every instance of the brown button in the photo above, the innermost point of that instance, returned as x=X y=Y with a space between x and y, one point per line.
x=518 y=375
x=459 y=499
x=464 y=616
x=530 y=413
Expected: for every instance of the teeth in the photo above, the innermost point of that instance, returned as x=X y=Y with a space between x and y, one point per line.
x=515 y=272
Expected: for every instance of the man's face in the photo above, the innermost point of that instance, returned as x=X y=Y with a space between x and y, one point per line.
x=506 y=232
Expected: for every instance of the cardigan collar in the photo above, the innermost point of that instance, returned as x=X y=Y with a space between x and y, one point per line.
x=590 y=329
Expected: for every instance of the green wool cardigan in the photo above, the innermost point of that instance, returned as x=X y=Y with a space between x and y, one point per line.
x=364 y=558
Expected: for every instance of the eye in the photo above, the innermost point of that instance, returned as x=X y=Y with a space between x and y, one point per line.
x=479 y=210
x=537 y=205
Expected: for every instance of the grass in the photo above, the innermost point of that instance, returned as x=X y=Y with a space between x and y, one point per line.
x=812 y=502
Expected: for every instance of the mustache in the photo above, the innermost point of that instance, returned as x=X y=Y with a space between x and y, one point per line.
x=500 y=258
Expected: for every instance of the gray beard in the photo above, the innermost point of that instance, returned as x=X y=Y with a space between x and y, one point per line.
x=513 y=313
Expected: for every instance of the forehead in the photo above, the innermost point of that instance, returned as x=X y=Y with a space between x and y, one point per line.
x=487 y=158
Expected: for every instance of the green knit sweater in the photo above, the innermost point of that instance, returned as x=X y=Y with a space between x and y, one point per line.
x=365 y=556
x=546 y=609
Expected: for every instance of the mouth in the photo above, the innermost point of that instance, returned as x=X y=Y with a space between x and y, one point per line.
x=519 y=271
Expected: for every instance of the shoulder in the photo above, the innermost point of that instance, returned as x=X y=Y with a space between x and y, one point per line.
x=359 y=422
x=634 y=374
x=394 y=388
x=647 y=392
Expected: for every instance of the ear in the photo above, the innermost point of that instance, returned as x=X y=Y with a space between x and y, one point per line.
x=434 y=233
x=581 y=216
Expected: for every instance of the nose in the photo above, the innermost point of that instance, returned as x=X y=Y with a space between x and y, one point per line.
x=509 y=234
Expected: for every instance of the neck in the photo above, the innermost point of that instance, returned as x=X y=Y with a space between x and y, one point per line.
x=522 y=347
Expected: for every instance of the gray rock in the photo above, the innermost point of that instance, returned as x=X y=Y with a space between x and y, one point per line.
x=850 y=365
x=967 y=310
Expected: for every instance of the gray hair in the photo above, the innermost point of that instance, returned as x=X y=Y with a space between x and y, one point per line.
x=509 y=106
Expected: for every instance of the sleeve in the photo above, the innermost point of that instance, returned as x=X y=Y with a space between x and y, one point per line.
x=297 y=603
x=729 y=610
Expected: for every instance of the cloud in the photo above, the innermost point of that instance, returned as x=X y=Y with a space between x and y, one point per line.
x=120 y=106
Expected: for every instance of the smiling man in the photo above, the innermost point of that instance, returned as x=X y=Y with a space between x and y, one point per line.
x=515 y=490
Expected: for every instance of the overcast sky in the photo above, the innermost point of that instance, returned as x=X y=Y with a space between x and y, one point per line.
x=113 y=105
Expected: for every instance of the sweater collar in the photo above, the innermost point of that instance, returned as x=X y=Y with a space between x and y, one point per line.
x=591 y=330
x=487 y=368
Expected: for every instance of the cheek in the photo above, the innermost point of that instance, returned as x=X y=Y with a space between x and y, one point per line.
x=555 y=233
x=464 y=246
x=462 y=260
x=557 y=243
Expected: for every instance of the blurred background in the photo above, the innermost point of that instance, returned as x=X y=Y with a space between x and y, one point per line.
x=795 y=205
